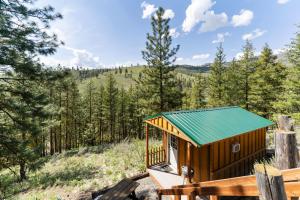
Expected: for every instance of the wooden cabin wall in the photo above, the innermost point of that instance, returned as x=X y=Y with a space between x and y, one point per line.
x=199 y=161
x=225 y=163
x=216 y=160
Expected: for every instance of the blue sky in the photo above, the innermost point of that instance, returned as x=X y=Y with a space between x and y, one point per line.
x=105 y=33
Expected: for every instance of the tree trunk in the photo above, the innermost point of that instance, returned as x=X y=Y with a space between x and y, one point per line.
x=67 y=145
x=22 y=171
x=269 y=183
x=60 y=123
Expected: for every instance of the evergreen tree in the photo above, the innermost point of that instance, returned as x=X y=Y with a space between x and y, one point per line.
x=100 y=113
x=247 y=63
x=110 y=103
x=233 y=90
x=160 y=86
x=266 y=83
x=216 y=79
x=90 y=107
x=123 y=114
x=290 y=99
x=23 y=100
x=198 y=92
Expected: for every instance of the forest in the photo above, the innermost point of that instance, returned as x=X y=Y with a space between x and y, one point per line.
x=47 y=110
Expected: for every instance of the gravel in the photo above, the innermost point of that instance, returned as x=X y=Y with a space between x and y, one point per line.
x=146 y=189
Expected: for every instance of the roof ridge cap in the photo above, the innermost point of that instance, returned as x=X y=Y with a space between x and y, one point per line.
x=199 y=110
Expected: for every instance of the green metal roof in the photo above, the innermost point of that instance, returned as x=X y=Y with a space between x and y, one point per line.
x=209 y=125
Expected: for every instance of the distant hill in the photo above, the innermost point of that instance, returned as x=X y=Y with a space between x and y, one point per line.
x=193 y=69
x=126 y=76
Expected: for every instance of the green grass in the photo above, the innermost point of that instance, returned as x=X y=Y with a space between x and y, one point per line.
x=126 y=82
x=63 y=176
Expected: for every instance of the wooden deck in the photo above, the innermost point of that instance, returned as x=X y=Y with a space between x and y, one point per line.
x=163 y=179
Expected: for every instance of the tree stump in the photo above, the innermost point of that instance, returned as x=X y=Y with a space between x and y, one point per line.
x=285 y=123
x=286 y=151
x=269 y=182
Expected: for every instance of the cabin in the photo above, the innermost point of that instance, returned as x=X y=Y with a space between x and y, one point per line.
x=205 y=144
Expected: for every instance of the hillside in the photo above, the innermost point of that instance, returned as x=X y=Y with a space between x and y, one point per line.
x=64 y=176
x=125 y=80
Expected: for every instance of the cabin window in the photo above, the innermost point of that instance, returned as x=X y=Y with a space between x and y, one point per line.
x=174 y=142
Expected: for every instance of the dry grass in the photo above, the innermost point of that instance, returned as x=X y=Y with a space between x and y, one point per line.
x=90 y=168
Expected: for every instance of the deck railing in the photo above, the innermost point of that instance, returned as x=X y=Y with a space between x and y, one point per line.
x=156 y=155
x=239 y=186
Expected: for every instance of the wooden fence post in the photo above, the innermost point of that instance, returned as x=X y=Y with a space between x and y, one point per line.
x=147 y=145
x=286 y=151
x=269 y=182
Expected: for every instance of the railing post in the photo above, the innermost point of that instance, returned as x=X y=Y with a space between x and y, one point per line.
x=151 y=157
x=269 y=182
x=159 y=152
x=147 y=145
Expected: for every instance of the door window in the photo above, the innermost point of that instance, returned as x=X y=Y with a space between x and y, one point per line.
x=174 y=142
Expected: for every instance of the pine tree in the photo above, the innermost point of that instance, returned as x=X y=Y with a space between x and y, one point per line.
x=110 y=102
x=90 y=107
x=23 y=100
x=290 y=99
x=266 y=83
x=100 y=113
x=247 y=63
x=160 y=86
x=233 y=90
x=216 y=79
x=198 y=93
x=123 y=114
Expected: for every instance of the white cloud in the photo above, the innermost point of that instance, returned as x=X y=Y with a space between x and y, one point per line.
x=201 y=56
x=243 y=19
x=197 y=59
x=239 y=55
x=169 y=14
x=282 y=1
x=279 y=51
x=80 y=57
x=148 y=9
x=66 y=11
x=195 y=13
x=221 y=37
x=254 y=34
x=213 y=21
x=83 y=58
x=174 y=33
x=179 y=59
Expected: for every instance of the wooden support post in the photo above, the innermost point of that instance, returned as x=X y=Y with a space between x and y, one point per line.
x=286 y=151
x=147 y=145
x=188 y=160
x=159 y=197
x=177 y=197
x=191 y=197
x=213 y=197
x=269 y=182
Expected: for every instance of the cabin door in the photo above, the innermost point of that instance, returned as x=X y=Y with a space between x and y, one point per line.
x=173 y=152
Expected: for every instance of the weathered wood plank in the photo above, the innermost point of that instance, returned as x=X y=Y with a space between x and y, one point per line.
x=269 y=182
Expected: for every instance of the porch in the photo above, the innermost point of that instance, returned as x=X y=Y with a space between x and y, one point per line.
x=163 y=163
x=164 y=179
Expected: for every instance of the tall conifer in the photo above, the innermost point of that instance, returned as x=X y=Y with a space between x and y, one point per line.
x=160 y=87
